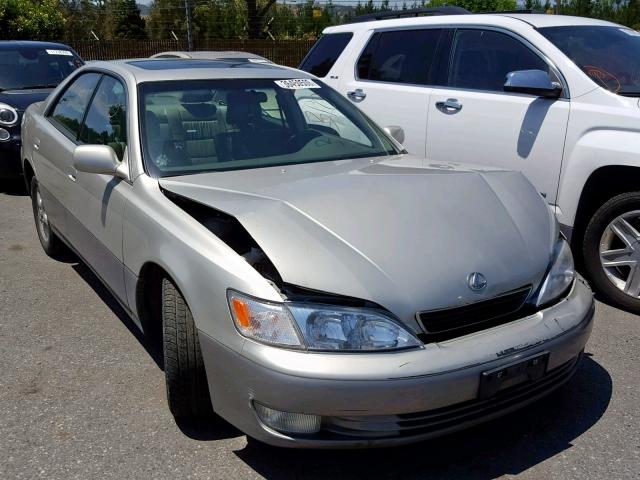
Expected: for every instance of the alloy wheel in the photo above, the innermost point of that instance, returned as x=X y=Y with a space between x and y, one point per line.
x=620 y=252
x=42 y=218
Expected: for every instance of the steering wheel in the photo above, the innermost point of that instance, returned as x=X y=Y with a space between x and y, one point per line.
x=300 y=139
x=603 y=78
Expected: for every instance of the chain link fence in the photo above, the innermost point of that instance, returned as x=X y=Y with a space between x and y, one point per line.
x=283 y=52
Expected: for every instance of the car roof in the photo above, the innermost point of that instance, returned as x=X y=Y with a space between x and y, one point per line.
x=8 y=44
x=498 y=19
x=540 y=20
x=210 y=54
x=166 y=69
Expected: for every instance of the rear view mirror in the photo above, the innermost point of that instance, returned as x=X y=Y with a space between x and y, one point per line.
x=532 y=82
x=395 y=132
x=100 y=159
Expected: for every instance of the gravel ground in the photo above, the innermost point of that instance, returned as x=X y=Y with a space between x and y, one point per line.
x=82 y=397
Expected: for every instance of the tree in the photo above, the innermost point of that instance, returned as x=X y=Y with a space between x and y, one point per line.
x=127 y=22
x=80 y=19
x=477 y=5
x=30 y=19
x=167 y=16
x=256 y=15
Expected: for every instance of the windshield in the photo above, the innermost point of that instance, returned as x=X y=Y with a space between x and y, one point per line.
x=30 y=67
x=212 y=125
x=610 y=56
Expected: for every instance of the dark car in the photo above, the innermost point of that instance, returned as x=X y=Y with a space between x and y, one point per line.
x=28 y=73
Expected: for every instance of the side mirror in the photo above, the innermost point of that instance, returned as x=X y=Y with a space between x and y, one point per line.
x=397 y=133
x=100 y=159
x=532 y=82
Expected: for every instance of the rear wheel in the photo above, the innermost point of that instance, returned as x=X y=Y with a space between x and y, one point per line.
x=611 y=249
x=51 y=243
x=187 y=389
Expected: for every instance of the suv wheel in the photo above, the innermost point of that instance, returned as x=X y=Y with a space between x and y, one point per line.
x=187 y=389
x=611 y=249
x=51 y=244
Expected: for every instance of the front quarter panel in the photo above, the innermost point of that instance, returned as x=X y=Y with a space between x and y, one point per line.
x=202 y=266
x=604 y=130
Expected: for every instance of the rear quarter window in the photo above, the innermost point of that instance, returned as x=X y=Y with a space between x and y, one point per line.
x=324 y=53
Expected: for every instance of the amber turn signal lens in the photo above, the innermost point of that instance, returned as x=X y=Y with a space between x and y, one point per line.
x=241 y=309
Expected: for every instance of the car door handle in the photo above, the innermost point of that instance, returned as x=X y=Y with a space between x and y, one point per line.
x=356 y=95
x=72 y=177
x=450 y=106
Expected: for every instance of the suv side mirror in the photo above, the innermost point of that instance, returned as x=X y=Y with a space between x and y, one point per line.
x=533 y=82
x=101 y=159
x=395 y=132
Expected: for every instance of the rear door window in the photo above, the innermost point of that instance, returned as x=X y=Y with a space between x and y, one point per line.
x=68 y=112
x=324 y=53
x=482 y=59
x=403 y=56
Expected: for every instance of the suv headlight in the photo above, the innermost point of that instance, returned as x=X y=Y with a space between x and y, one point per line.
x=560 y=274
x=8 y=115
x=318 y=327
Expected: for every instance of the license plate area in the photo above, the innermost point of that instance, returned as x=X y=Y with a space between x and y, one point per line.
x=527 y=369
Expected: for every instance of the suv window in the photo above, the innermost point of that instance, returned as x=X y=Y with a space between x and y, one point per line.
x=483 y=58
x=405 y=56
x=106 y=122
x=324 y=53
x=69 y=110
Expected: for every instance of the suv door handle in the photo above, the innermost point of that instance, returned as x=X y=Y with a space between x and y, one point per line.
x=356 y=95
x=450 y=106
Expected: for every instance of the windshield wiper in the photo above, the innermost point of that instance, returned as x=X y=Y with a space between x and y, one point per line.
x=31 y=87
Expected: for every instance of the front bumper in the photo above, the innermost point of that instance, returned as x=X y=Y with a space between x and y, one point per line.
x=10 y=164
x=384 y=399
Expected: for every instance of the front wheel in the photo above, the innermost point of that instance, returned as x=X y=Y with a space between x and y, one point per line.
x=611 y=249
x=187 y=389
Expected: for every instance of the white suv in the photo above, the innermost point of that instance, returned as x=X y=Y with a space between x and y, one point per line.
x=555 y=97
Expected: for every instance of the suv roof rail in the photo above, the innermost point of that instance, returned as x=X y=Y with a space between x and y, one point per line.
x=412 y=12
x=524 y=10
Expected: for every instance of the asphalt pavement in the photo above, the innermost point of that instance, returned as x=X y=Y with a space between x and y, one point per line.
x=82 y=397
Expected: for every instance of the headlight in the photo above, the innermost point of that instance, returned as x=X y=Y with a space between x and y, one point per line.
x=8 y=115
x=560 y=275
x=318 y=327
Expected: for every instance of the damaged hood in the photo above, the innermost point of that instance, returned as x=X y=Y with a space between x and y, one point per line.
x=394 y=232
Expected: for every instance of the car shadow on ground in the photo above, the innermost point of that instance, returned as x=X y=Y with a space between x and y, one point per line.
x=506 y=446
x=509 y=445
x=107 y=297
x=13 y=186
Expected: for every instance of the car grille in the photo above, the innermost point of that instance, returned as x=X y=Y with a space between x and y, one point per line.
x=453 y=322
x=453 y=416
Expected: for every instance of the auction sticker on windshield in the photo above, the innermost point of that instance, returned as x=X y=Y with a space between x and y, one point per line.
x=297 y=83
x=66 y=53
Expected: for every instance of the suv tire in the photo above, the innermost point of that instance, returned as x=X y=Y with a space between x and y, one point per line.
x=187 y=389
x=600 y=224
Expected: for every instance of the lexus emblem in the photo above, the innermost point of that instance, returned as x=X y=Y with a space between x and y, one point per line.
x=476 y=281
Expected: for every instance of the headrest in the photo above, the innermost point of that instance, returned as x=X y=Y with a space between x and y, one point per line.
x=244 y=107
x=196 y=96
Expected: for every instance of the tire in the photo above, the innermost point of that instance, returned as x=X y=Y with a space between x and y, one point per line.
x=187 y=389
x=51 y=243
x=604 y=279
